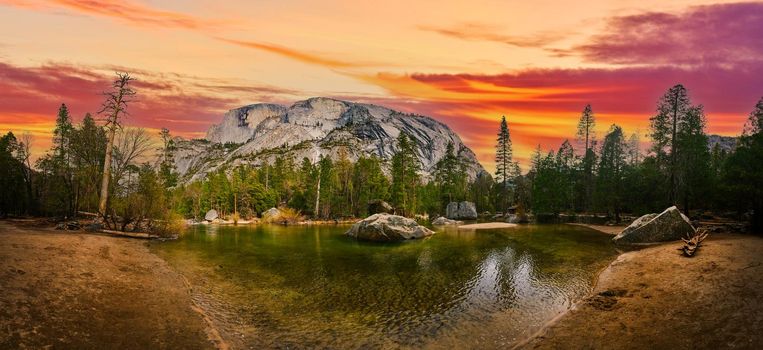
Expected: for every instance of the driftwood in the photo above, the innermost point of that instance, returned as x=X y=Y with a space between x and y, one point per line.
x=143 y=235
x=692 y=243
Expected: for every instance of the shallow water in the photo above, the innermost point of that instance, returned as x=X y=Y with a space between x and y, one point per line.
x=312 y=287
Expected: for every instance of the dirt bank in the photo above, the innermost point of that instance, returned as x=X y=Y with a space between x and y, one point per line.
x=66 y=290
x=656 y=299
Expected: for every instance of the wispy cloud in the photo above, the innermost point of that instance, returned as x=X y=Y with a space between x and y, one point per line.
x=187 y=105
x=303 y=56
x=123 y=11
x=483 y=32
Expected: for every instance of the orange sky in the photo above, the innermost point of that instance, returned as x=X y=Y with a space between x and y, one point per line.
x=466 y=63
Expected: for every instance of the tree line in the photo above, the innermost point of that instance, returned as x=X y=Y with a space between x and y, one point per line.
x=121 y=175
x=616 y=176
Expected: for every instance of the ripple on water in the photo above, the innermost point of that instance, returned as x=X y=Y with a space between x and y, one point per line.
x=312 y=287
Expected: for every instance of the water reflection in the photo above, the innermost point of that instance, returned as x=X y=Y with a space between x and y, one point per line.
x=313 y=287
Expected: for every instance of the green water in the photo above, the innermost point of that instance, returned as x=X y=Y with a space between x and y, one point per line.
x=312 y=287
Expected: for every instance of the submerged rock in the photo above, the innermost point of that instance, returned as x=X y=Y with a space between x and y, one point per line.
x=461 y=211
x=211 y=215
x=670 y=225
x=388 y=228
x=441 y=221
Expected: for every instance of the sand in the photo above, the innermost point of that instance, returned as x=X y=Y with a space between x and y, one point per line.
x=657 y=299
x=487 y=225
x=86 y=291
x=66 y=290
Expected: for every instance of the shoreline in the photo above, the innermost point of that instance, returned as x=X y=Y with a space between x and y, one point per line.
x=647 y=298
x=655 y=298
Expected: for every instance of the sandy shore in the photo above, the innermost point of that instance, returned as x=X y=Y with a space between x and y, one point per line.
x=85 y=291
x=656 y=299
x=487 y=225
x=65 y=290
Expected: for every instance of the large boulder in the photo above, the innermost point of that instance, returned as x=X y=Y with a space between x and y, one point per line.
x=388 y=228
x=670 y=225
x=442 y=221
x=211 y=215
x=271 y=213
x=461 y=211
x=379 y=206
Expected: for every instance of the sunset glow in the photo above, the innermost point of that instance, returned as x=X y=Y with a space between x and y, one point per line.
x=466 y=64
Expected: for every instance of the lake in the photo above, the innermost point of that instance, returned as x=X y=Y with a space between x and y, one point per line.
x=311 y=287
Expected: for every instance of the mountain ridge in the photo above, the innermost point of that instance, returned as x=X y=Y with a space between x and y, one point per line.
x=318 y=126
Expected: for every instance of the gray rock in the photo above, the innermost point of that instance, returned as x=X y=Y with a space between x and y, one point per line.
x=379 y=206
x=311 y=128
x=442 y=221
x=387 y=228
x=461 y=211
x=271 y=213
x=211 y=215
x=670 y=225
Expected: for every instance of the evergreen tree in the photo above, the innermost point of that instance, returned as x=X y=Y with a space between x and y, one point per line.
x=612 y=164
x=88 y=149
x=672 y=108
x=405 y=176
x=754 y=122
x=503 y=164
x=167 y=171
x=742 y=170
x=693 y=161
x=586 y=134
x=450 y=176
x=11 y=176
x=369 y=183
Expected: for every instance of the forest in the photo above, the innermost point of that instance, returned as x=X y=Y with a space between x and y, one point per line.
x=613 y=174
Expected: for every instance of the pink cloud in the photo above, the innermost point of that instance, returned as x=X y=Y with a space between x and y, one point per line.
x=710 y=34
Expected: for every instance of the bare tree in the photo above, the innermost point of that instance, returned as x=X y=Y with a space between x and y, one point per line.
x=114 y=108
x=132 y=145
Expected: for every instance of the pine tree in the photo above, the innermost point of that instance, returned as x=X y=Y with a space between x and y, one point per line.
x=405 y=177
x=503 y=164
x=693 y=162
x=609 y=186
x=450 y=176
x=672 y=108
x=755 y=120
x=586 y=134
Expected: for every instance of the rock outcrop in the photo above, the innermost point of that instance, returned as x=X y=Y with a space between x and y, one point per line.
x=670 y=225
x=379 y=206
x=442 y=221
x=461 y=211
x=211 y=215
x=316 y=127
x=271 y=213
x=388 y=228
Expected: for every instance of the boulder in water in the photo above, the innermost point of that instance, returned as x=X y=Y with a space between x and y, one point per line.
x=388 y=228
x=442 y=221
x=670 y=225
x=211 y=215
x=461 y=211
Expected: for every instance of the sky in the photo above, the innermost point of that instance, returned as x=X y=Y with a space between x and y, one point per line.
x=465 y=63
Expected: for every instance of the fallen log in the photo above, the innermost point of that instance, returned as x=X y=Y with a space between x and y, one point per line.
x=131 y=234
x=692 y=243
